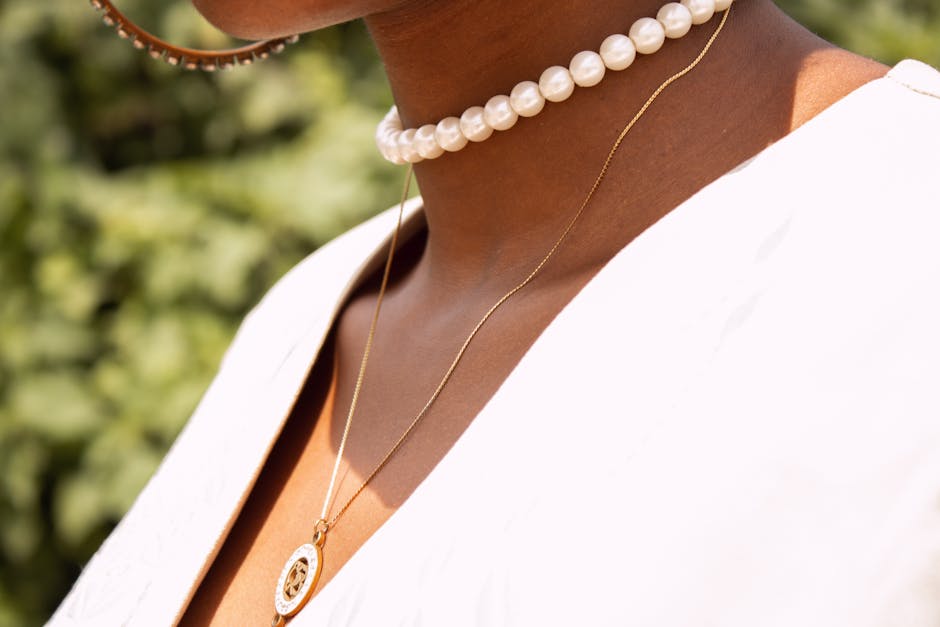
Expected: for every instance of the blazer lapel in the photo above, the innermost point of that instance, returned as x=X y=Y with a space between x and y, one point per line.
x=148 y=569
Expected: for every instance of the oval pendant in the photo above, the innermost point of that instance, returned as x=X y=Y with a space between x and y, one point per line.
x=298 y=579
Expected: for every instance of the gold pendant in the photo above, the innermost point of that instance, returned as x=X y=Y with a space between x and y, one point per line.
x=298 y=579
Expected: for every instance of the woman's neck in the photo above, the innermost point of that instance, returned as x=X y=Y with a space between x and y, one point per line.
x=494 y=207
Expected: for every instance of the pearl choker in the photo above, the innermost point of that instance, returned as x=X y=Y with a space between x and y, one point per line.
x=557 y=83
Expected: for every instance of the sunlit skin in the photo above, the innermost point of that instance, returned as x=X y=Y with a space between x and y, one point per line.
x=493 y=210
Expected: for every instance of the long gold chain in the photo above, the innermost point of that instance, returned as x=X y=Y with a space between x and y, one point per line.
x=322 y=526
x=492 y=310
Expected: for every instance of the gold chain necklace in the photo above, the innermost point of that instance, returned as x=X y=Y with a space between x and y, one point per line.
x=299 y=577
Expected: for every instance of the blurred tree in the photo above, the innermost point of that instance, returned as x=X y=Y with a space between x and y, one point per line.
x=886 y=30
x=143 y=210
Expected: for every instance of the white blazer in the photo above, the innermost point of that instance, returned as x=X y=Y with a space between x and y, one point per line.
x=757 y=384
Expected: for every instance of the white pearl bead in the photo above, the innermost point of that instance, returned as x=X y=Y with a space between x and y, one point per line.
x=448 y=134
x=389 y=126
x=676 y=20
x=391 y=120
x=381 y=137
x=587 y=68
x=388 y=146
x=648 y=35
x=556 y=84
x=499 y=114
x=618 y=52
x=474 y=126
x=426 y=143
x=406 y=146
x=701 y=10
x=383 y=134
x=526 y=99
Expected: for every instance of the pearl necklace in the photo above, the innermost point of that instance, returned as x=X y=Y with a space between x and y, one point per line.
x=301 y=573
x=527 y=99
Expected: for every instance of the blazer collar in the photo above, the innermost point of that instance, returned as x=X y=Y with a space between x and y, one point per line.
x=149 y=568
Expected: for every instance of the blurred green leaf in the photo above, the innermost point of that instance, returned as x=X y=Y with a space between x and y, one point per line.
x=144 y=210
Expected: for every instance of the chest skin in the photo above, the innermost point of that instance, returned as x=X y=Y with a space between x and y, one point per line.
x=410 y=355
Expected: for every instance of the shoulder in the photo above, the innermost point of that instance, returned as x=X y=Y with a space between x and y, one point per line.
x=874 y=150
x=903 y=114
x=919 y=79
x=894 y=122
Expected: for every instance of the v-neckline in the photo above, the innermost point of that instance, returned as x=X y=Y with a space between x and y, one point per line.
x=307 y=349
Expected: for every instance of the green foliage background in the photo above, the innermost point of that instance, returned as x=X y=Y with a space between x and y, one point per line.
x=144 y=210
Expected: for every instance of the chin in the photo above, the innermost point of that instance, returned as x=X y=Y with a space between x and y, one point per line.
x=249 y=19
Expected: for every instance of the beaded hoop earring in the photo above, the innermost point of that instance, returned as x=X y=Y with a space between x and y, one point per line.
x=188 y=58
